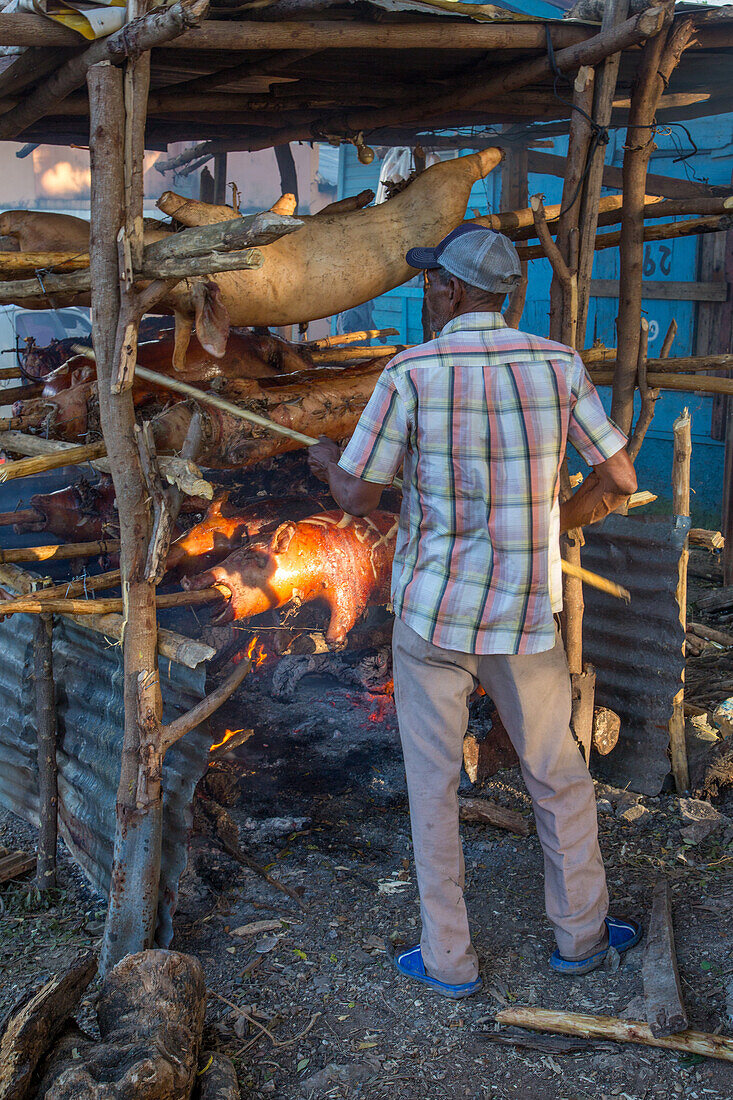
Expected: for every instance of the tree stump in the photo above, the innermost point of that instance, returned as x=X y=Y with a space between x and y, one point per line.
x=150 y=1014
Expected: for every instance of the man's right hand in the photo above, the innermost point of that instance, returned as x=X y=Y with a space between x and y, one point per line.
x=321 y=455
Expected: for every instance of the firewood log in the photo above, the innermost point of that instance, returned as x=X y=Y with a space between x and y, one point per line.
x=664 y=1006
x=217 y=1077
x=34 y=1022
x=621 y=1031
x=150 y=1013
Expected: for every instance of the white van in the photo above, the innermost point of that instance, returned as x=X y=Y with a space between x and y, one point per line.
x=44 y=325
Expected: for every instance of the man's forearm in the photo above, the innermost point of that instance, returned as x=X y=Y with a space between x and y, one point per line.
x=591 y=503
x=353 y=495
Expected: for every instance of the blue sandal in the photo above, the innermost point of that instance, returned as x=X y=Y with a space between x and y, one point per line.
x=622 y=934
x=408 y=961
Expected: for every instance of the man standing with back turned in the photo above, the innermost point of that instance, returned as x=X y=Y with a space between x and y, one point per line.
x=481 y=417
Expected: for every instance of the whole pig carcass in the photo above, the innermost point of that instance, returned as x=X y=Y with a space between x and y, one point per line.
x=322 y=403
x=336 y=261
x=226 y=527
x=68 y=408
x=248 y=355
x=342 y=560
x=83 y=512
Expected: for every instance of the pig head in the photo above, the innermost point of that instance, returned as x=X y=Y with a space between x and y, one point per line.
x=342 y=560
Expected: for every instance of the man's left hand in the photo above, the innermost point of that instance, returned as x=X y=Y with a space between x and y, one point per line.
x=321 y=455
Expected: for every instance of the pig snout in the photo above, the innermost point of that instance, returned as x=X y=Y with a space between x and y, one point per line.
x=243 y=579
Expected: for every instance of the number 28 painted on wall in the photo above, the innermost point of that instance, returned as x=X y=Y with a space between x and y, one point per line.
x=657 y=258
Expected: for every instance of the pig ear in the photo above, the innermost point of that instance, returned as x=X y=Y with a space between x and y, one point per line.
x=282 y=538
x=212 y=317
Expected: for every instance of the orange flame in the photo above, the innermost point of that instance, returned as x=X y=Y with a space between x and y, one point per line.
x=257 y=658
x=228 y=734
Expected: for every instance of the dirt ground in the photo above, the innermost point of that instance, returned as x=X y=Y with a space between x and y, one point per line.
x=308 y=1004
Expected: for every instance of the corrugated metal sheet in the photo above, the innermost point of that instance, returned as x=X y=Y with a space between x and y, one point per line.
x=636 y=648
x=88 y=675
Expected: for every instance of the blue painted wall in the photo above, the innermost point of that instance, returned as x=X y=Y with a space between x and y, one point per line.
x=674 y=260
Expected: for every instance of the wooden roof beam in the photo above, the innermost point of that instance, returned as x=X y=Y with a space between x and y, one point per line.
x=22 y=29
x=134 y=38
x=552 y=165
x=466 y=93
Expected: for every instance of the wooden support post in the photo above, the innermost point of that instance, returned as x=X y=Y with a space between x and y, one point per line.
x=649 y=396
x=167 y=502
x=658 y=60
x=48 y=797
x=133 y=899
x=614 y=13
x=727 y=524
x=563 y=327
x=515 y=196
x=664 y=1004
x=578 y=149
x=682 y=430
x=130 y=235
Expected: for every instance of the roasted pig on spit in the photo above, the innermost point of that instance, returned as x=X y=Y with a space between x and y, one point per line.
x=325 y=402
x=69 y=408
x=83 y=512
x=248 y=355
x=343 y=560
x=226 y=527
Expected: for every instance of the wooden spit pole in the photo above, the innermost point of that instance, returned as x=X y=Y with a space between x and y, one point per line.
x=29 y=605
x=59 y=553
x=74 y=456
x=172 y=646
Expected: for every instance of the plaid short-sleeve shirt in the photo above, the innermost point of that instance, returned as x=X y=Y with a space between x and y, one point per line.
x=481 y=417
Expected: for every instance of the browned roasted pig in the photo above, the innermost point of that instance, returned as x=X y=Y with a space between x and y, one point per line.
x=324 y=402
x=226 y=527
x=343 y=560
x=82 y=512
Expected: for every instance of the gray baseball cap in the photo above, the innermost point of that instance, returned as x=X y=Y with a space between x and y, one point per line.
x=475 y=254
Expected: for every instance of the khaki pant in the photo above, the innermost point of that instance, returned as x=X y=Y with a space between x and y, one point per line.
x=532 y=696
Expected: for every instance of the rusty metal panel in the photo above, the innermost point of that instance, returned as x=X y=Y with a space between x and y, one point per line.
x=88 y=677
x=636 y=648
